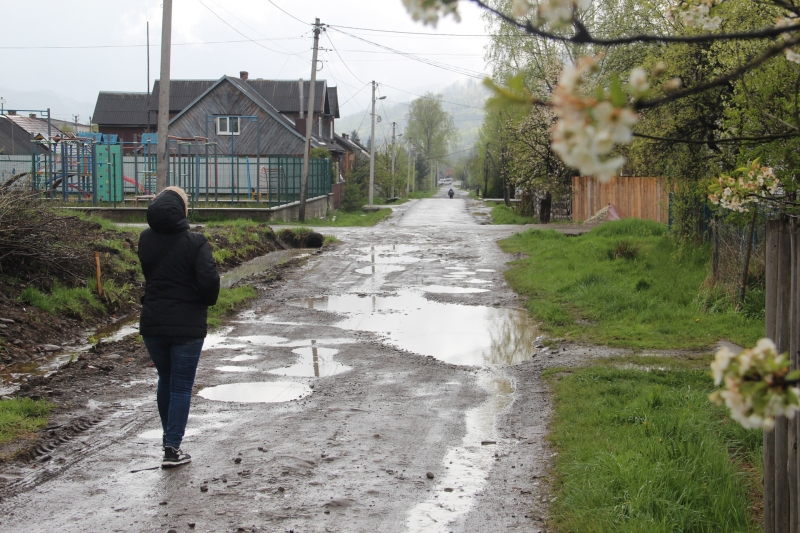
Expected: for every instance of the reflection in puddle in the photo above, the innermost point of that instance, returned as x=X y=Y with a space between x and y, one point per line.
x=446 y=289
x=456 y=268
x=380 y=269
x=478 y=281
x=236 y=369
x=457 y=334
x=320 y=342
x=468 y=464
x=388 y=259
x=243 y=357
x=314 y=362
x=261 y=340
x=485 y=270
x=257 y=392
x=390 y=249
x=460 y=274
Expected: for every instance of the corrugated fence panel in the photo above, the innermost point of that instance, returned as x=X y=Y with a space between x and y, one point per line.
x=634 y=197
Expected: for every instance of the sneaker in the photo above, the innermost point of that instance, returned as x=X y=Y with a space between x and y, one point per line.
x=174 y=457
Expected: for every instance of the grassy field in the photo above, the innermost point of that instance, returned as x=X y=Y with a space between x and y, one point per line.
x=641 y=449
x=21 y=416
x=625 y=283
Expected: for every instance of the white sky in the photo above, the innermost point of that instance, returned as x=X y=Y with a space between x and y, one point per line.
x=112 y=37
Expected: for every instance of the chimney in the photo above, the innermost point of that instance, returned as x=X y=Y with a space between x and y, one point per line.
x=243 y=74
x=300 y=126
x=344 y=136
x=31 y=115
x=301 y=98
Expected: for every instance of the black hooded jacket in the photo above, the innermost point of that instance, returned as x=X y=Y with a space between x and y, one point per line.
x=180 y=274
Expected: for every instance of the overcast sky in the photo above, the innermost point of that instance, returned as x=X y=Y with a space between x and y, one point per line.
x=80 y=47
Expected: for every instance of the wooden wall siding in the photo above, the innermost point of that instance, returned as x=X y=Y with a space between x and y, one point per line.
x=646 y=198
x=225 y=99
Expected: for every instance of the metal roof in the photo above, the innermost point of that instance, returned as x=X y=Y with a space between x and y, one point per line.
x=34 y=126
x=282 y=94
x=14 y=140
x=181 y=93
x=122 y=109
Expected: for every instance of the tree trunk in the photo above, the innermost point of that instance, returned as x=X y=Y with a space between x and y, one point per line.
x=545 y=205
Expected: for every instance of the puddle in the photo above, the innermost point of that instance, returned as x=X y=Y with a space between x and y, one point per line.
x=388 y=259
x=478 y=281
x=320 y=342
x=460 y=274
x=380 y=269
x=236 y=369
x=456 y=268
x=220 y=340
x=390 y=249
x=485 y=270
x=468 y=464
x=457 y=334
x=261 y=264
x=240 y=358
x=315 y=362
x=446 y=289
x=256 y=392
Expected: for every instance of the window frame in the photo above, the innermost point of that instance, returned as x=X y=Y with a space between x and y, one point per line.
x=228 y=121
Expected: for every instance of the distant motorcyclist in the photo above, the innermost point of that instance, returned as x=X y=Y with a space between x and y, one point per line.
x=451 y=193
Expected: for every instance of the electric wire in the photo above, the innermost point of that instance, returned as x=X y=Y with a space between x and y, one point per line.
x=287 y=13
x=242 y=34
x=430 y=62
x=101 y=46
x=245 y=24
x=340 y=57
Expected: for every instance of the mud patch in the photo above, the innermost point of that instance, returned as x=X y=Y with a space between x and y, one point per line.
x=256 y=392
x=380 y=269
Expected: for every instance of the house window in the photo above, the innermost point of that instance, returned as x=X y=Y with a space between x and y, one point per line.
x=227 y=125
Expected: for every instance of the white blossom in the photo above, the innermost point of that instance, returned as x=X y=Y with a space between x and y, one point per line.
x=429 y=11
x=638 y=81
x=560 y=12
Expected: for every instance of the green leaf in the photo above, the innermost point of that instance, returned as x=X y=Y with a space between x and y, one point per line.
x=794 y=375
x=618 y=96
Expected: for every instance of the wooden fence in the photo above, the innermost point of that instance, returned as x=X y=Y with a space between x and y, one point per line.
x=781 y=474
x=646 y=198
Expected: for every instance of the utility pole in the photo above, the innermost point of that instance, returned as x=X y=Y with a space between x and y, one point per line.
x=408 y=179
x=486 y=171
x=309 y=125
x=162 y=158
x=372 y=148
x=394 y=126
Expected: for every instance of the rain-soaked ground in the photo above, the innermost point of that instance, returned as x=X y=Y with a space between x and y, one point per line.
x=391 y=384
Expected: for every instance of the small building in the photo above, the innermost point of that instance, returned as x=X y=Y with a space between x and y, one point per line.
x=352 y=150
x=241 y=122
x=16 y=140
x=123 y=114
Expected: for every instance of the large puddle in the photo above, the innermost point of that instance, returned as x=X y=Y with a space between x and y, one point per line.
x=467 y=465
x=314 y=362
x=457 y=334
x=256 y=392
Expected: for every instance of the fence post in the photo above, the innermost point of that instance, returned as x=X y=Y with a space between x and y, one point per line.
x=782 y=342
x=794 y=426
x=771 y=295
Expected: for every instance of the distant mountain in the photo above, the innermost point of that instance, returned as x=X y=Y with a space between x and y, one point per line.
x=464 y=100
x=61 y=107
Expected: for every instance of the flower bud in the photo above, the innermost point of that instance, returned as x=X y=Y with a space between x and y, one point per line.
x=659 y=69
x=672 y=84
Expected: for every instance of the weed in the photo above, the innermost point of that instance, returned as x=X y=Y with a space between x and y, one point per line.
x=21 y=416
x=624 y=249
x=77 y=302
x=330 y=239
x=229 y=300
x=502 y=214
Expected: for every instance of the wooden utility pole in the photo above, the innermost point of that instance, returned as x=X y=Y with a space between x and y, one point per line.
x=394 y=126
x=309 y=125
x=162 y=158
x=408 y=179
x=372 y=148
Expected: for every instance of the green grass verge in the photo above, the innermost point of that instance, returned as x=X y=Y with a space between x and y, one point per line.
x=21 y=416
x=78 y=302
x=502 y=214
x=229 y=301
x=625 y=283
x=645 y=451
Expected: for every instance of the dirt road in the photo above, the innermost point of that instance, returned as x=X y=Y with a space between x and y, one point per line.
x=388 y=385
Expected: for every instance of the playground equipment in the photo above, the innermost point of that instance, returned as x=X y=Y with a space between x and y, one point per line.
x=99 y=168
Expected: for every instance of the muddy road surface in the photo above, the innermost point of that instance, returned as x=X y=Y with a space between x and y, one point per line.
x=391 y=384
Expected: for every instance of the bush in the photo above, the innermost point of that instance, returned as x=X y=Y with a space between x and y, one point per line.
x=353 y=197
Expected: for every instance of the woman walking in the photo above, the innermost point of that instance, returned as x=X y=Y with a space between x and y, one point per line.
x=181 y=281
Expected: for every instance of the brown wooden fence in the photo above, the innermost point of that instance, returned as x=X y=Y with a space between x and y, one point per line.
x=781 y=474
x=646 y=198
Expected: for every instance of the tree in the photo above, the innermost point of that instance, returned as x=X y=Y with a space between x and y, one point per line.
x=431 y=131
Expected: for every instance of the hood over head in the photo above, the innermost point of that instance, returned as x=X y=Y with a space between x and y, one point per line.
x=167 y=212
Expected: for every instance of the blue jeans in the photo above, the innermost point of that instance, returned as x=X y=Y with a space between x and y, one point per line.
x=176 y=360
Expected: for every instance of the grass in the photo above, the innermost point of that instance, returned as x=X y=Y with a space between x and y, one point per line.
x=229 y=301
x=643 y=450
x=21 y=416
x=330 y=239
x=625 y=283
x=502 y=214
x=78 y=302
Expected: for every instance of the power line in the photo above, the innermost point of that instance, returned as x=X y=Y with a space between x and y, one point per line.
x=415 y=32
x=287 y=13
x=340 y=57
x=430 y=62
x=243 y=22
x=100 y=46
x=443 y=101
x=242 y=34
